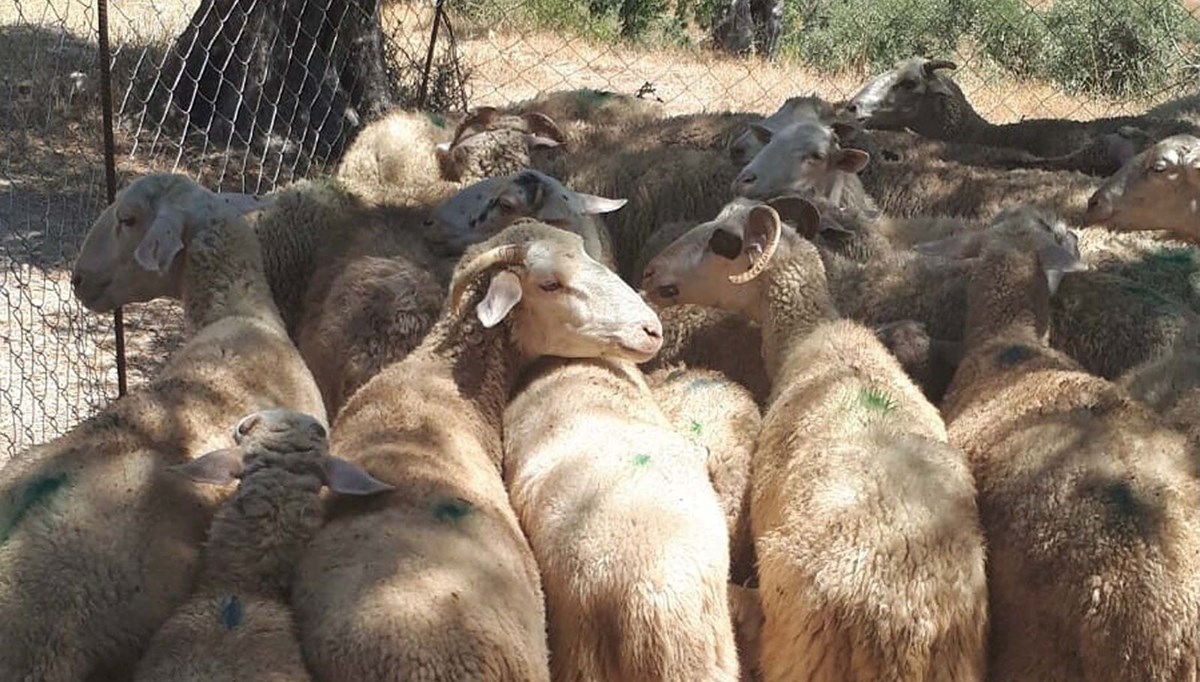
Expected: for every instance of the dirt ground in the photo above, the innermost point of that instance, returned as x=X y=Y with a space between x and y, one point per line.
x=57 y=360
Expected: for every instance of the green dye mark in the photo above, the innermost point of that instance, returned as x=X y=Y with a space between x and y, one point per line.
x=231 y=612
x=641 y=460
x=34 y=493
x=696 y=428
x=703 y=382
x=675 y=374
x=876 y=400
x=436 y=119
x=1178 y=258
x=1148 y=295
x=452 y=510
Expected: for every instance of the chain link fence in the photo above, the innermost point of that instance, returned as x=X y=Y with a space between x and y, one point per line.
x=251 y=94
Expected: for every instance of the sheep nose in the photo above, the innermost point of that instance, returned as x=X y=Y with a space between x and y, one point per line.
x=653 y=330
x=744 y=180
x=1099 y=209
x=852 y=108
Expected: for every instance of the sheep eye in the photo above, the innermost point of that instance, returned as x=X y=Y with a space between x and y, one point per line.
x=816 y=156
x=552 y=285
x=907 y=84
x=1159 y=166
x=668 y=291
x=127 y=221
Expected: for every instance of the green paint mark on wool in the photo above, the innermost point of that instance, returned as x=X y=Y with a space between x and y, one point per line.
x=696 y=427
x=37 y=491
x=436 y=119
x=641 y=460
x=1175 y=258
x=452 y=510
x=876 y=400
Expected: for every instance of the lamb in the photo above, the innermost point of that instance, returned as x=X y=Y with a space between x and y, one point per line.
x=436 y=581
x=917 y=95
x=1157 y=190
x=719 y=414
x=1075 y=481
x=98 y=543
x=627 y=531
x=851 y=457
x=237 y=624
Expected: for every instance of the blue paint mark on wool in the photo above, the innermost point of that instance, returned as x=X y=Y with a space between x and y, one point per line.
x=37 y=491
x=1014 y=355
x=452 y=510
x=231 y=612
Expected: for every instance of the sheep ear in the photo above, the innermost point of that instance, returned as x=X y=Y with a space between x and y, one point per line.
x=163 y=241
x=960 y=246
x=1057 y=261
x=850 y=160
x=541 y=142
x=761 y=132
x=762 y=228
x=503 y=294
x=543 y=126
x=800 y=213
x=245 y=203
x=725 y=244
x=594 y=205
x=345 y=478
x=219 y=467
x=931 y=67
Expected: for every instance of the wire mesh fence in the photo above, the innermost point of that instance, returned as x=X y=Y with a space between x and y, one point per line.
x=251 y=94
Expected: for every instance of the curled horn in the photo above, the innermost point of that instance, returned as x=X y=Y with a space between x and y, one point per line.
x=481 y=118
x=757 y=266
x=508 y=254
x=541 y=124
x=933 y=65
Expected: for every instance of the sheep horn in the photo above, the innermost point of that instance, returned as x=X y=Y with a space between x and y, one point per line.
x=933 y=65
x=481 y=118
x=508 y=254
x=757 y=266
x=541 y=124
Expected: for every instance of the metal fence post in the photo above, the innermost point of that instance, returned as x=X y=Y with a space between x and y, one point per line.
x=110 y=166
x=422 y=97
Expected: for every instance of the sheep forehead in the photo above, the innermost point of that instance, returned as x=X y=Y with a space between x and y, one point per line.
x=805 y=135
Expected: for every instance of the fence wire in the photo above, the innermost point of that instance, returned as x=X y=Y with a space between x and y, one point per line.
x=251 y=94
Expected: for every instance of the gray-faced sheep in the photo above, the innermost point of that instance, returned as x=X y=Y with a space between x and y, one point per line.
x=793 y=110
x=1075 y=481
x=852 y=460
x=1157 y=190
x=435 y=581
x=627 y=530
x=237 y=624
x=917 y=94
x=98 y=543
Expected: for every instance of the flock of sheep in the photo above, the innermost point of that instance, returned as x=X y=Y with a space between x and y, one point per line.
x=874 y=390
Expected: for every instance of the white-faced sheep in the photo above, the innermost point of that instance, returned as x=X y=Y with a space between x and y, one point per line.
x=436 y=581
x=1157 y=190
x=917 y=94
x=98 y=543
x=794 y=110
x=627 y=530
x=851 y=463
x=237 y=625
x=1075 y=481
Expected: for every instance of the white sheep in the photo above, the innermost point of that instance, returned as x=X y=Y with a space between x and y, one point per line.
x=435 y=581
x=627 y=530
x=852 y=462
x=1088 y=501
x=1157 y=190
x=98 y=543
x=917 y=94
x=237 y=624
x=793 y=110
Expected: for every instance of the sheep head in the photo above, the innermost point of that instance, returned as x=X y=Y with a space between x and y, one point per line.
x=489 y=143
x=718 y=263
x=487 y=207
x=281 y=439
x=130 y=252
x=802 y=157
x=559 y=300
x=1158 y=189
x=912 y=94
x=796 y=109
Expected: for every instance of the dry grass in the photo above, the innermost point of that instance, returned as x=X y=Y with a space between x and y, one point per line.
x=56 y=360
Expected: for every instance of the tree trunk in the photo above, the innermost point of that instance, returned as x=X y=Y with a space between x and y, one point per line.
x=302 y=73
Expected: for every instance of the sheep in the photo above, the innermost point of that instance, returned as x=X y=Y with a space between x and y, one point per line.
x=1157 y=190
x=917 y=95
x=793 y=110
x=436 y=581
x=1075 y=481
x=592 y=107
x=627 y=531
x=929 y=361
x=407 y=152
x=97 y=543
x=237 y=624
x=721 y=415
x=1169 y=385
x=851 y=459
